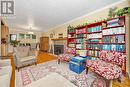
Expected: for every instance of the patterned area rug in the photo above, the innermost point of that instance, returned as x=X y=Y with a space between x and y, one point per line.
x=30 y=74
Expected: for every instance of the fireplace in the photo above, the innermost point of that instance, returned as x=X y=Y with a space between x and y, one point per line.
x=58 y=49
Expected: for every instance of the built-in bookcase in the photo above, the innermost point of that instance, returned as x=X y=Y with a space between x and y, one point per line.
x=107 y=35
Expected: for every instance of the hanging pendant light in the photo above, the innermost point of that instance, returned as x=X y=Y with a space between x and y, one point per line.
x=30 y=32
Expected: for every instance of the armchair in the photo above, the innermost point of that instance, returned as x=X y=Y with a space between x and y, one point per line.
x=5 y=72
x=24 y=56
x=68 y=53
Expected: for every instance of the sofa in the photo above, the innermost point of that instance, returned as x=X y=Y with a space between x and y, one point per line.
x=5 y=72
x=24 y=56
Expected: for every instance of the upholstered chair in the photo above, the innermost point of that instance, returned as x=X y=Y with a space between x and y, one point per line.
x=24 y=56
x=68 y=53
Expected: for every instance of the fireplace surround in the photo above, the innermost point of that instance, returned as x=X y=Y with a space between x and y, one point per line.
x=58 y=49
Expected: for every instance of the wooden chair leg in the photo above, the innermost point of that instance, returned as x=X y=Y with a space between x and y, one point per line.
x=86 y=70
x=58 y=61
x=18 y=69
x=108 y=83
x=35 y=63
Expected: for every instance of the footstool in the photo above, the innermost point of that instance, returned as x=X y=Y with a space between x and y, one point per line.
x=77 y=64
x=52 y=80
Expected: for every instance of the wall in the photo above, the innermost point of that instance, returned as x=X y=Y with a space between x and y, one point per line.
x=0 y=37
x=38 y=35
x=96 y=15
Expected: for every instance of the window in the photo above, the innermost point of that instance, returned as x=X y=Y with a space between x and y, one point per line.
x=21 y=36
x=28 y=36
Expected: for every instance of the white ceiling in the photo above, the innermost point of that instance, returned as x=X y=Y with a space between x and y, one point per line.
x=45 y=14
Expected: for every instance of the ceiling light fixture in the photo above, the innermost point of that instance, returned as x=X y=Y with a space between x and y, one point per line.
x=30 y=32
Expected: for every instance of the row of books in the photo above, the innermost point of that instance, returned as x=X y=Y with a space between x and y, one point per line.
x=81 y=35
x=80 y=31
x=95 y=46
x=94 y=29
x=115 y=22
x=114 y=47
x=114 y=39
x=93 y=53
x=81 y=52
x=94 y=40
x=81 y=40
x=81 y=46
x=97 y=35
x=71 y=45
x=118 y=30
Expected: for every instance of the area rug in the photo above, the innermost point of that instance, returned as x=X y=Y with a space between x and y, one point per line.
x=33 y=73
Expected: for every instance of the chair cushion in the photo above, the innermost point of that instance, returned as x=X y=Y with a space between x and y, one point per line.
x=22 y=51
x=113 y=57
x=69 y=50
x=65 y=56
x=107 y=70
x=27 y=58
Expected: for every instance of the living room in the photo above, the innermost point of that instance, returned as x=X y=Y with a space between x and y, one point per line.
x=63 y=43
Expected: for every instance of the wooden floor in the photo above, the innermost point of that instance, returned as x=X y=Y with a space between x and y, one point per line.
x=43 y=57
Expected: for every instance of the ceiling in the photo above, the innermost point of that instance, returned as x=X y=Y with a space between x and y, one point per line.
x=42 y=15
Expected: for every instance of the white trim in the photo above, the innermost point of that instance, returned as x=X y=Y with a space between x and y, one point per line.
x=98 y=10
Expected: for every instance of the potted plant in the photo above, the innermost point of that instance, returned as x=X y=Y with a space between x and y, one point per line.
x=14 y=43
x=123 y=11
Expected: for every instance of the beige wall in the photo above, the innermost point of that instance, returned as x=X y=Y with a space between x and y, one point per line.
x=0 y=37
x=38 y=35
x=96 y=15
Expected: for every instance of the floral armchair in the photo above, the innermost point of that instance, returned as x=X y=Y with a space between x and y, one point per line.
x=108 y=65
x=68 y=53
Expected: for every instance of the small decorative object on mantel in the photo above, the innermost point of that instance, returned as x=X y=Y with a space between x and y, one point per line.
x=112 y=12
x=57 y=39
x=51 y=35
x=60 y=35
